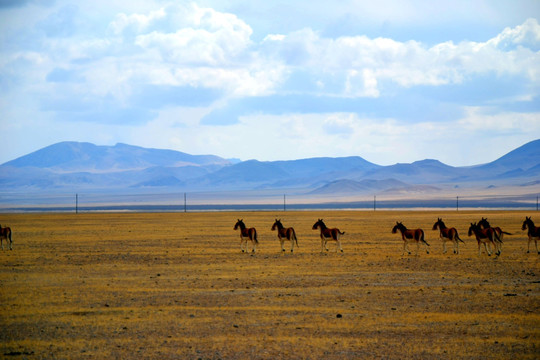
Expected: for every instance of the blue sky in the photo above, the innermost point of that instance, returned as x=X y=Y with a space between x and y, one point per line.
x=391 y=81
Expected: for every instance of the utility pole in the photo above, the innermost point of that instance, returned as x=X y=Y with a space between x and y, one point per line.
x=185 y=203
x=457 y=203
x=76 y=203
x=284 y=203
x=374 y=202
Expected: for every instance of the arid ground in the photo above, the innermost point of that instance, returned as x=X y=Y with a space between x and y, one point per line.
x=177 y=286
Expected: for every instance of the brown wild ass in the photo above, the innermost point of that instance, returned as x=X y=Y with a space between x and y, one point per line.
x=484 y=236
x=328 y=234
x=410 y=235
x=447 y=234
x=5 y=233
x=533 y=233
x=285 y=234
x=245 y=234
x=484 y=224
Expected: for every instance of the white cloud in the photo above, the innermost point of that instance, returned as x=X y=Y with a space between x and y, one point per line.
x=208 y=38
x=362 y=83
x=107 y=54
x=365 y=61
x=527 y=35
x=136 y=22
x=480 y=121
x=383 y=141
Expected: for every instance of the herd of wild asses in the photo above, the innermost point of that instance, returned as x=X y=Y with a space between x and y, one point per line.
x=485 y=234
x=483 y=231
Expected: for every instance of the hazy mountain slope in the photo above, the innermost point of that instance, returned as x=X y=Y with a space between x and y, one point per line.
x=358 y=187
x=317 y=166
x=76 y=156
x=524 y=158
x=420 y=172
x=247 y=173
x=278 y=174
x=70 y=166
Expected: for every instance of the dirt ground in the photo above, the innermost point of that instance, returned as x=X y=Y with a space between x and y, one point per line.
x=177 y=286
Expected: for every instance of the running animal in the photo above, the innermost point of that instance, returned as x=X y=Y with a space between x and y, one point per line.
x=533 y=233
x=484 y=236
x=410 y=235
x=284 y=233
x=447 y=234
x=245 y=234
x=328 y=234
x=5 y=233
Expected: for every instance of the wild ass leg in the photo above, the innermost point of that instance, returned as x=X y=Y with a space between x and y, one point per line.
x=242 y=244
x=338 y=245
x=528 y=244
x=443 y=245
x=531 y=238
x=405 y=248
x=325 y=242
x=254 y=246
x=487 y=249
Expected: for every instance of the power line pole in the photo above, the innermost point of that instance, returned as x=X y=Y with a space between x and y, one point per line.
x=76 y=203
x=185 y=202
x=284 y=203
x=457 y=203
x=374 y=202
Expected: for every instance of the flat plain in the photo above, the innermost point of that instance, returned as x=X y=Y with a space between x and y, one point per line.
x=177 y=286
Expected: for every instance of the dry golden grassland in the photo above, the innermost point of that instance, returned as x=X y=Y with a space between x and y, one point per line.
x=176 y=286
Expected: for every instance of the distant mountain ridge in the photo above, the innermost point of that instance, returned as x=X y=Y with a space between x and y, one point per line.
x=82 y=156
x=78 y=166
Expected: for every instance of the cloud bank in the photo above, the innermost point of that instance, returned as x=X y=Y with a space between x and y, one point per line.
x=203 y=79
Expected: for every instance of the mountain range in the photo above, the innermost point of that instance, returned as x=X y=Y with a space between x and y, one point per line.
x=76 y=166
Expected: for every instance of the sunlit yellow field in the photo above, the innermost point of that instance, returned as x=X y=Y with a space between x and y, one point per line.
x=176 y=285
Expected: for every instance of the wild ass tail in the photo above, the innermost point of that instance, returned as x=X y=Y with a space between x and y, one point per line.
x=255 y=236
x=294 y=237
